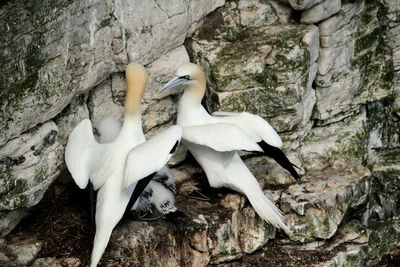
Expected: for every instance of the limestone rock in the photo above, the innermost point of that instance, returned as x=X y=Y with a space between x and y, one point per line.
x=347 y=138
x=266 y=73
x=229 y=21
x=256 y=13
x=353 y=245
x=75 y=112
x=320 y=11
x=29 y=164
x=18 y=252
x=353 y=66
x=10 y=219
x=303 y=4
x=107 y=99
x=283 y=12
x=315 y=208
x=384 y=157
x=360 y=246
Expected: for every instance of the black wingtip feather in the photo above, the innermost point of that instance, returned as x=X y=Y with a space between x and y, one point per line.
x=174 y=147
x=139 y=188
x=279 y=156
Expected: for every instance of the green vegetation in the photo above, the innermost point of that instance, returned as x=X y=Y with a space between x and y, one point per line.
x=12 y=190
x=289 y=56
x=371 y=54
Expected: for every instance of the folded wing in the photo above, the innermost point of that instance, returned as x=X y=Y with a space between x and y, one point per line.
x=261 y=132
x=151 y=156
x=222 y=137
x=252 y=125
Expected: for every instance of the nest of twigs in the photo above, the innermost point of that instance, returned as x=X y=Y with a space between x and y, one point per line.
x=62 y=222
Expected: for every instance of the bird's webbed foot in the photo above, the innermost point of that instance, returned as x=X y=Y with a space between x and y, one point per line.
x=197 y=194
x=151 y=214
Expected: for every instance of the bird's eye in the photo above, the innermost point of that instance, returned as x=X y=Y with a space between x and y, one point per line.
x=186 y=77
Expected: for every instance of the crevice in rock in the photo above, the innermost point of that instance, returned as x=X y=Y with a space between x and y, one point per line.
x=296 y=15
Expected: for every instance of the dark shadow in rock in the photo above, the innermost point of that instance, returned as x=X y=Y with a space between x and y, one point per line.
x=61 y=221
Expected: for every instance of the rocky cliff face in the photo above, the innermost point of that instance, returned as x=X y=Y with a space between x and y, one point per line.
x=324 y=73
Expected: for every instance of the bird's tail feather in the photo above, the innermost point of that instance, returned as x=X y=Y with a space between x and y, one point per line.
x=99 y=245
x=267 y=210
x=239 y=178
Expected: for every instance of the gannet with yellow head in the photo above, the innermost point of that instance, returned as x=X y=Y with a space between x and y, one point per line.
x=119 y=170
x=214 y=139
x=160 y=190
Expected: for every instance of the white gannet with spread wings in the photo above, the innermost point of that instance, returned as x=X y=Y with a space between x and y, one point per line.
x=119 y=170
x=214 y=140
x=160 y=190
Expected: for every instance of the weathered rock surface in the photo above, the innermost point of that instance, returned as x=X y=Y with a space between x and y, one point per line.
x=315 y=208
x=331 y=90
x=262 y=69
x=320 y=11
x=344 y=138
x=303 y=4
x=30 y=163
x=19 y=251
x=359 y=246
x=353 y=66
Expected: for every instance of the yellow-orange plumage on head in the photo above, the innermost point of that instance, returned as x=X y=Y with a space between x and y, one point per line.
x=136 y=79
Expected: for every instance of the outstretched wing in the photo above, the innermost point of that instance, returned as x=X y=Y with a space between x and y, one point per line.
x=151 y=156
x=252 y=125
x=82 y=154
x=222 y=137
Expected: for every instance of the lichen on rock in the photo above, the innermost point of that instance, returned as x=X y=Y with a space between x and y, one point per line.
x=263 y=70
x=324 y=73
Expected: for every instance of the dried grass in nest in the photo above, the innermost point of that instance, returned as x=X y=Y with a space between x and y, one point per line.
x=62 y=224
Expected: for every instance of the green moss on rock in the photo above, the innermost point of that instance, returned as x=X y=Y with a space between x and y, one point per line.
x=382 y=239
x=11 y=194
x=372 y=57
x=368 y=40
x=266 y=69
x=356 y=146
x=282 y=40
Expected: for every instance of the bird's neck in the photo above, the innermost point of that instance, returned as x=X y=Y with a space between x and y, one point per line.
x=133 y=98
x=131 y=131
x=193 y=95
x=190 y=109
x=132 y=125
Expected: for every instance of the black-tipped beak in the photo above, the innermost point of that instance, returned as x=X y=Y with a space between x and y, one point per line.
x=177 y=80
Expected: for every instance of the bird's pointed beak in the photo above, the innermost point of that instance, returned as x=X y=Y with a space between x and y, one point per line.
x=172 y=83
